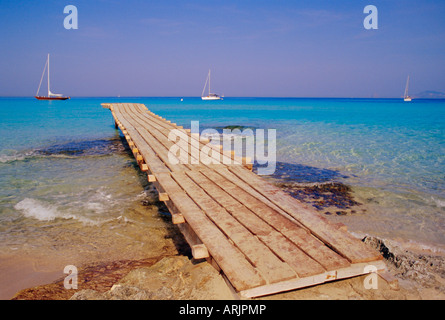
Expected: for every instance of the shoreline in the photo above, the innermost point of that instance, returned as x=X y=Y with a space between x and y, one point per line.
x=420 y=276
x=419 y=269
x=322 y=189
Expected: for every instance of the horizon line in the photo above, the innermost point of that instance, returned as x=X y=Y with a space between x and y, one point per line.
x=230 y=97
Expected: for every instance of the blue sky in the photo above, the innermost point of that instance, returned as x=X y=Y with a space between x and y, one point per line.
x=254 y=48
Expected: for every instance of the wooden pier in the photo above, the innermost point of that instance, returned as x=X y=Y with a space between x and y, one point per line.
x=261 y=239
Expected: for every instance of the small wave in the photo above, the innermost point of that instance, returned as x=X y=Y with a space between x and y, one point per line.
x=32 y=208
x=12 y=155
x=440 y=203
x=36 y=209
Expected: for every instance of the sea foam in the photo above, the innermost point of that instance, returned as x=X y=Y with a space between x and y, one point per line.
x=438 y=202
x=37 y=209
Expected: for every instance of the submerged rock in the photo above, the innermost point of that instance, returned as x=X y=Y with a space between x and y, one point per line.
x=333 y=195
x=426 y=270
x=323 y=189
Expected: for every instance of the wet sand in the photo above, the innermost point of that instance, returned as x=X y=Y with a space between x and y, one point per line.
x=178 y=277
x=19 y=272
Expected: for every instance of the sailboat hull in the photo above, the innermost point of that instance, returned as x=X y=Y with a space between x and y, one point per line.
x=51 y=98
x=211 y=98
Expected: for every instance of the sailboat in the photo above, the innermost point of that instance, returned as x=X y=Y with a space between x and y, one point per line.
x=50 y=96
x=406 y=97
x=210 y=96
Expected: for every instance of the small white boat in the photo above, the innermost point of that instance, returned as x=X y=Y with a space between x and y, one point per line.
x=406 y=97
x=210 y=96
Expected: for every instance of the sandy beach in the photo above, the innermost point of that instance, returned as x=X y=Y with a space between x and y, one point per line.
x=177 y=277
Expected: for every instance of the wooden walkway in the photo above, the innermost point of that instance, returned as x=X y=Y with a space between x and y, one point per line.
x=260 y=238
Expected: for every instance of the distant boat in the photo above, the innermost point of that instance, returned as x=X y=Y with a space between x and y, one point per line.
x=50 y=96
x=210 y=96
x=406 y=97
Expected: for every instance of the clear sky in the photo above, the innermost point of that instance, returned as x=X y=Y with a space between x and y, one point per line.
x=253 y=47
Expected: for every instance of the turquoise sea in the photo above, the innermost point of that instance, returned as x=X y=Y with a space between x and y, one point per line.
x=70 y=192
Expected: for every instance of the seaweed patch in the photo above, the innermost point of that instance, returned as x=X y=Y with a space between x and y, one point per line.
x=317 y=187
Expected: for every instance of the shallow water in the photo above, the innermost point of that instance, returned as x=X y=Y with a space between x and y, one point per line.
x=70 y=193
x=390 y=152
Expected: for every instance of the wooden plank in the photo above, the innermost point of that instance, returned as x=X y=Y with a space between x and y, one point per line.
x=148 y=142
x=154 y=163
x=162 y=142
x=344 y=273
x=199 y=250
x=224 y=172
x=342 y=242
x=163 y=196
x=237 y=269
x=289 y=228
x=301 y=263
x=193 y=147
x=194 y=139
x=269 y=265
x=157 y=166
x=161 y=135
x=389 y=279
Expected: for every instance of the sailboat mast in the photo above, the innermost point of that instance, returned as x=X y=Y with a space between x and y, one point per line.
x=41 y=79
x=48 y=75
x=209 y=82
x=407 y=85
x=205 y=85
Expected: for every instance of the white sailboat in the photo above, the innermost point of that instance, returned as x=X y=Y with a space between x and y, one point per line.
x=210 y=96
x=50 y=96
x=406 y=97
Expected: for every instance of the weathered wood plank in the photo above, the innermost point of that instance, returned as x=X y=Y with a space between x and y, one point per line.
x=269 y=265
x=196 y=147
x=344 y=273
x=162 y=135
x=193 y=147
x=237 y=269
x=196 y=141
x=153 y=144
x=199 y=249
x=162 y=140
x=289 y=228
x=154 y=163
x=282 y=247
x=342 y=242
